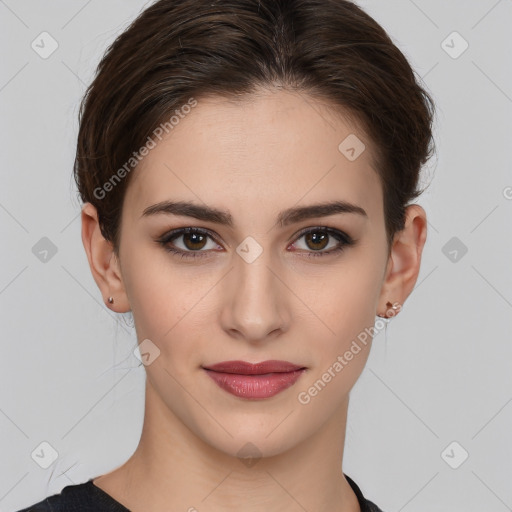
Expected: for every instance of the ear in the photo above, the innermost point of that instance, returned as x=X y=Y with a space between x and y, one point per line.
x=104 y=264
x=404 y=261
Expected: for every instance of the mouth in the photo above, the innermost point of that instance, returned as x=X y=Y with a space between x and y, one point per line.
x=254 y=381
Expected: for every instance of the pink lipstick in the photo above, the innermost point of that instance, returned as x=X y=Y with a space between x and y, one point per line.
x=254 y=381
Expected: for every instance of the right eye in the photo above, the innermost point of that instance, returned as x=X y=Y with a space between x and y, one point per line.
x=193 y=241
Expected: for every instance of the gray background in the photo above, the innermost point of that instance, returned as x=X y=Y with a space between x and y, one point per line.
x=441 y=373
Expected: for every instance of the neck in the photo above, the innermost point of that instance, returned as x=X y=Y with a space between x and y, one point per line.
x=174 y=469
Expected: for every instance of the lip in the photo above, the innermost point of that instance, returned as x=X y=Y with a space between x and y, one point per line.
x=254 y=381
x=244 y=368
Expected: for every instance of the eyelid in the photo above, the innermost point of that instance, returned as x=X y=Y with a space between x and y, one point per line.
x=332 y=231
x=343 y=238
x=168 y=235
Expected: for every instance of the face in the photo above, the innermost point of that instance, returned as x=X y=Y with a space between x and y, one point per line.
x=257 y=281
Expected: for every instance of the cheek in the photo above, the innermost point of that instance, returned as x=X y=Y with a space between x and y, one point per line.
x=168 y=305
x=345 y=305
x=345 y=296
x=339 y=356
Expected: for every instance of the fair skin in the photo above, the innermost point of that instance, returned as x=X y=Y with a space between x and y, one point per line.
x=253 y=159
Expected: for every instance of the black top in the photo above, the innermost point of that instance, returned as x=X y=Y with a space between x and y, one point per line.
x=87 y=497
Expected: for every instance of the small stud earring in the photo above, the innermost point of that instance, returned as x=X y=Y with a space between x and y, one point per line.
x=394 y=307
x=111 y=300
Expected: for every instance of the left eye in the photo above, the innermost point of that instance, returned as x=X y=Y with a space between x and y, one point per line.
x=317 y=239
x=194 y=240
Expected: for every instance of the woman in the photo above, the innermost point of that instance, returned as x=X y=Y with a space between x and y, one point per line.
x=247 y=170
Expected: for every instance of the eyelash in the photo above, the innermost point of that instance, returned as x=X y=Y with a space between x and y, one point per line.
x=344 y=239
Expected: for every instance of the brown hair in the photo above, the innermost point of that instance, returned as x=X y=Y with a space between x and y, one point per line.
x=178 y=49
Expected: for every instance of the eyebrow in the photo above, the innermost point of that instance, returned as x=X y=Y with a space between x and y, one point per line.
x=223 y=217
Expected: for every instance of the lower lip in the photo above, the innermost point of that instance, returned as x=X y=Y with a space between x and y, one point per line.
x=255 y=386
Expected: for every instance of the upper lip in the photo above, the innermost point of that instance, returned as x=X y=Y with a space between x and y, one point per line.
x=245 y=368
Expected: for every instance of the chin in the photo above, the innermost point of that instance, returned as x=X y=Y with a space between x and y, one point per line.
x=255 y=438
x=249 y=449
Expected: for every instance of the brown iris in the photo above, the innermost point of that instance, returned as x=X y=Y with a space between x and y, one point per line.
x=197 y=240
x=316 y=237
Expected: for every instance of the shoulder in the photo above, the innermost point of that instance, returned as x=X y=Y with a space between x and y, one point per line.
x=85 y=497
x=371 y=507
x=71 y=498
x=55 y=503
x=365 y=504
x=41 y=506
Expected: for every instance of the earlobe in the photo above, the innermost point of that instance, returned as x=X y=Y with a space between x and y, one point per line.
x=405 y=258
x=103 y=262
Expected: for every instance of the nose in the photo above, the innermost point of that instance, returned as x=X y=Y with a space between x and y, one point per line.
x=254 y=300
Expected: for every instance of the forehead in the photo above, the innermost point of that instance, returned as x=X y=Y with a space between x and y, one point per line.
x=268 y=150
